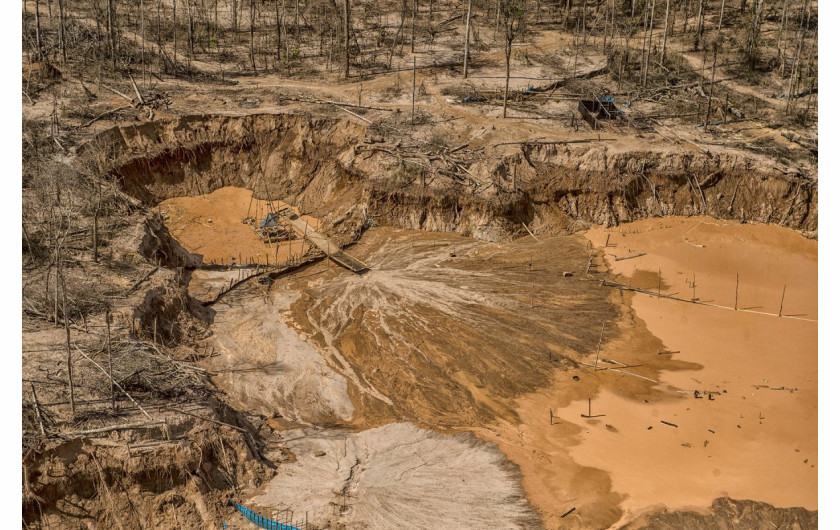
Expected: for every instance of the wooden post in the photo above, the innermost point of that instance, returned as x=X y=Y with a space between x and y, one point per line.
x=737 y=281
x=693 y=287
x=783 y=300
x=550 y=416
x=598 y=354
x=659 y=288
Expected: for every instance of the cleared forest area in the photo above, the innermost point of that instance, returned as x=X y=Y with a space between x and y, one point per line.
x=194 y=172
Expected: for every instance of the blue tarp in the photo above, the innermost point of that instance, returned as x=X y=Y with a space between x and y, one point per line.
x=262 y=522
x=270 y=220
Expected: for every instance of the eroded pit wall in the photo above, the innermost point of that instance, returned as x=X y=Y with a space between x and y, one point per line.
x=553 y=188
x=316 y=164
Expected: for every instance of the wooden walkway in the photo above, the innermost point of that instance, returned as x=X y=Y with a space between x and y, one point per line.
x=324 y=243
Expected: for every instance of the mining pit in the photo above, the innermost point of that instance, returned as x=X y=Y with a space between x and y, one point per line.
x=559 y=347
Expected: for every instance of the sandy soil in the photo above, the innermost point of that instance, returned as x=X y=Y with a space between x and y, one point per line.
x=268 y=368
x=397 y=476
x=751 y=441
x=454 y=334
x=211 y=225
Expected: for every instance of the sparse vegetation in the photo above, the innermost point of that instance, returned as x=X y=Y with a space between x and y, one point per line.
x=408 y=117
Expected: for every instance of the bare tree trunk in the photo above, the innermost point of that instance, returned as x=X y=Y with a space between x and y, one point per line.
x=112 y=41
x=96 y=14
x=665 y=31
x=781 y=32
x=431 y=18
x=297 y=22
x=720 y=20
x=38 y=41
x=346 y=39
x=413 y=22
x=508 y=46
x=57 y=283
x=700 y=17
x=467 y=37
x=110 y=360
x=755 y=30
x=234 y=24
x=583 y=22
x=174 y=38
x=650 y=40
x=190 y=42
x=279 y=30
x=399 y=31
x=62 y=45
x=143 y=42
x=96 y=226
x=67 y=334
x=253 y=20
x=711 y=86
x=642 y=59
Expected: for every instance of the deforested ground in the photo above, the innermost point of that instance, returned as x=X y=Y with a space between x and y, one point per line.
x=562 y=324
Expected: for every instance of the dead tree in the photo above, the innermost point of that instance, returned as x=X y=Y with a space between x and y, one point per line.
x=62 y=44
x=755 y=30
x=346 y=39
x=39 y=44
x=512 y=14
x=403 y=7
x=67 y=332
x=190 y=44
x=781 y=32
x=174 y=38
x=467 y=37
x=665 y=31
x=701 y=13
x=251 y=45
x=279 y=28
x=112 y=32
x=711 y=86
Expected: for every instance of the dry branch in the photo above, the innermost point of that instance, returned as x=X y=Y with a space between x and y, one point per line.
x=104 y=371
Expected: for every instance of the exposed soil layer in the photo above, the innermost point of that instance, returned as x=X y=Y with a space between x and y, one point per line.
x=172 y=476
x=326 y=168
x=487 y=333
x=729 y=513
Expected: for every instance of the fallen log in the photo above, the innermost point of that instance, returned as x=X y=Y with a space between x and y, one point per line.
x=123 y=427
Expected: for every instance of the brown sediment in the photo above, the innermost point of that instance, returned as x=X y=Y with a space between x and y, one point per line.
x=752 y=436
x=213 y=227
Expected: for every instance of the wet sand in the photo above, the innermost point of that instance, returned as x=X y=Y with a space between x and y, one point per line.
x=211 y=225
x=486 y=315
x=751 y=441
